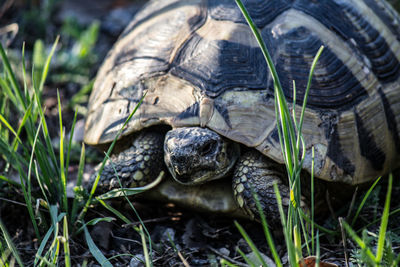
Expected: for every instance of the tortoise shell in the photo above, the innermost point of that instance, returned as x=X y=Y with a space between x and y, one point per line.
x=199 y=65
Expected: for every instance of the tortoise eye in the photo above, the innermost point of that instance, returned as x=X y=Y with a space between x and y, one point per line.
x=207 y=148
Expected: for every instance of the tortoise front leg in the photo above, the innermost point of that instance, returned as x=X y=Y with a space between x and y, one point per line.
x=135 y=166
x=256 y=173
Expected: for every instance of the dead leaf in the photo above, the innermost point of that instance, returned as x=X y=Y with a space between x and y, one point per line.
x=310 y=262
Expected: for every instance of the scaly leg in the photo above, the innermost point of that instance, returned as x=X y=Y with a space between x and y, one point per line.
x=256 y=173
x=136 y=166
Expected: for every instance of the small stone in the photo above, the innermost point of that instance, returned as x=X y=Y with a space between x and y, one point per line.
x=254 y=259
x=243 y=179
x=224 y=251
x=245 y=170
x=101 y=234
x=168 y=235
x=137 y=261
x=146 y=158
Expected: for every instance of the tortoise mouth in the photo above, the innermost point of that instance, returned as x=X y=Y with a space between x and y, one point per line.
x=200 y=176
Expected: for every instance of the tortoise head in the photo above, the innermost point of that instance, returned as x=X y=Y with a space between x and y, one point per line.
x=195 y=155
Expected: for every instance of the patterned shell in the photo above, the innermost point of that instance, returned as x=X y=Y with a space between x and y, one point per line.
x=199 y=64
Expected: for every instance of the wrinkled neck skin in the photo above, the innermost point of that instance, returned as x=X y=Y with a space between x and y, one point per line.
x=196 y=155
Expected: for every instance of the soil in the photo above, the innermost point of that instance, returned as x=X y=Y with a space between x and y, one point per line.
x=180 y=237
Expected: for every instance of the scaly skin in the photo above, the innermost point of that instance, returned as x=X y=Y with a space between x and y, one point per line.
x=136 y=166
x=194 y=157
x=256 y=172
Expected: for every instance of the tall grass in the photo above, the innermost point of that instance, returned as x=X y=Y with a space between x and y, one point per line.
x=293 y=149
x=37 y=161
x=293 y=152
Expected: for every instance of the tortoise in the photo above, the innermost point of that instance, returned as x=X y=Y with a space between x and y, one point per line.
x=208 y=112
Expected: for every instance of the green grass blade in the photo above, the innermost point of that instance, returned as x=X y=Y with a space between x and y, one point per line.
x=15 y=159
x=267 y=233
x=364 y=200
x=312 y=201
x=359 y=241
x=246 y=259
x=9 y=127
x=294 y=95
x=148 y=262
x=13 y=80
x=366 y=226
x=303 y=109
x=119 y=192
x=27 y=191
x=116 y=212
x=47 y=64
x=396 y=262
x=384 y=222
x=67 y=252
x=278 y=122
x=9 y=181
x=22 y=124
x=297 y=243
x=10 y=244
x=63 y=183
x=24 y=71
x=250 y=243
x=224 y=263
x=318 y=251
x=8 y=92
x=71 y=135
x=95 y=250
x=43 y=244
x=317 y=226
x=78 y=182
x=289 y=243
x=56 y=251
x=55 y=245
x=48 y=152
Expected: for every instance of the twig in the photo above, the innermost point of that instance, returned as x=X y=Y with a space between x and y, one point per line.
x=184 y=261
x=328 y=201
x=125 y=239
x=147 y=221
x=344 y=240
x=352 y=203
x=226 y=257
